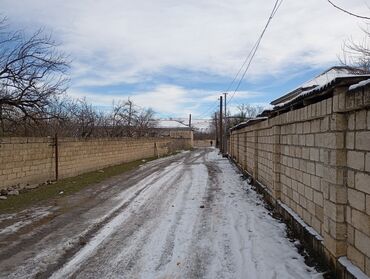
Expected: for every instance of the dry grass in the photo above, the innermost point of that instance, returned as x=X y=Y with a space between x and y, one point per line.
x=68 y=186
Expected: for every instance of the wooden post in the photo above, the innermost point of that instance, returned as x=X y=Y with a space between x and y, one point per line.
x=216 y=124
x=225 y=127
x=221 y=133
x=56 y=156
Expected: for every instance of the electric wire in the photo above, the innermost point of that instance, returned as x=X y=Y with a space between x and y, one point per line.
x=256 y=46
x=248 y=60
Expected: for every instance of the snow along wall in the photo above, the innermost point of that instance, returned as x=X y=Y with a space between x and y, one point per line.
x=315 y=163
x=32 y=160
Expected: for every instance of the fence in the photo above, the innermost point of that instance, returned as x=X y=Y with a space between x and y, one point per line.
x=314 y=162
x=36 y=160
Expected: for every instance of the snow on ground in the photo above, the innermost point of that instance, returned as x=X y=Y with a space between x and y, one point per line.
x=193 y=217
x=24 y=218
x=233 y=236
x=296 y=217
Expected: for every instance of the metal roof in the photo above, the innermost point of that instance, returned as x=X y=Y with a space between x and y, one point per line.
x=321 y=90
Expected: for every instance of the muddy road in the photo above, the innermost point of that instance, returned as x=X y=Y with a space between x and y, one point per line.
x=186 y=216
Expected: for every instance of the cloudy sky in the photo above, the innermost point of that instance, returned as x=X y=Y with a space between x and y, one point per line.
x=178 y=56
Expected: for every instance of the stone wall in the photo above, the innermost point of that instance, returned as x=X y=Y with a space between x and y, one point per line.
x=315 y=161
x=32 y=160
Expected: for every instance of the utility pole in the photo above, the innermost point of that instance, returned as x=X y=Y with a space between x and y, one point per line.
x=216 y=124
x=190 y=120
x=225 y=133
x=56 y=156
x=221 y=133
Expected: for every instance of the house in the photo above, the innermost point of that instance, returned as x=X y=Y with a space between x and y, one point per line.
x=319 y=88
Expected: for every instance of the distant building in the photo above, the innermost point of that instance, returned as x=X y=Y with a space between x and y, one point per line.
x=171 y=128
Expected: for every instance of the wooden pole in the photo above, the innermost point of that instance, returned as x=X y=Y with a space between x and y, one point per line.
x=225 y=124
x=221 y=133
x=216 y=124
x=56 y=156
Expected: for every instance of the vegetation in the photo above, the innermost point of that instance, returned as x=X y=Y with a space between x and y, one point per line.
x=33 y=99
x=356 y=54
x=245 y=112
x=63 y=187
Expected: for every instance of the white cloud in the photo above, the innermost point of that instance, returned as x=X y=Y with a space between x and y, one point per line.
x=124 y=41
x=169 y=100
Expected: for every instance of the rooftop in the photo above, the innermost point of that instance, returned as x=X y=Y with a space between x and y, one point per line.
x=314 y=90
x=319 y=81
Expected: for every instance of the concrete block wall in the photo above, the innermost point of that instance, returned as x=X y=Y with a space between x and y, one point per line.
x=32 y=160
x=26 y=160
x=357 y=141
x=79 y=156
x=241 y=149
x=316 y=161
x=265 y=155
x=251 y=152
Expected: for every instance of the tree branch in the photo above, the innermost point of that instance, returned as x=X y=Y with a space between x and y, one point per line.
x=348 y=12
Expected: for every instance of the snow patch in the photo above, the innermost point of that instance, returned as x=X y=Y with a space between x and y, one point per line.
x=311 y=230
x=164 y=124
x=359 y=85
x=320 y=82
x=354 y=270
x=26 y=217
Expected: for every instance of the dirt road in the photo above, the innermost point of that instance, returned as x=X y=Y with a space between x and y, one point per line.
x=186 y=216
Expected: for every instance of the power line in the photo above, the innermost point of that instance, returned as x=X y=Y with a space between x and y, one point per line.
x=210 y=109
x=242 y=66
x=248 y=59
x=253 y=51
x=348 y=12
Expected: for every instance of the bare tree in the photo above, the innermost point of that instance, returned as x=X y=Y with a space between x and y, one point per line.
x=245 y=112
x=356 y=54
x=32 y=101
x=85 y=119
x=348 y=12
x=32 y=73
x=122 y=118
x=143 y=122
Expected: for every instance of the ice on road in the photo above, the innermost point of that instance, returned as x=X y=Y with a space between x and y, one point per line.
x=193 y=218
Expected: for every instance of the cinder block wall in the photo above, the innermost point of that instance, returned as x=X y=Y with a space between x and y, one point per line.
x=28 y=160
x=79 y=156
x=32 y=160
x=316 y=161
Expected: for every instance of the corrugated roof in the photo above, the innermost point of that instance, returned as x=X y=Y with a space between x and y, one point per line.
x=317 y=90
x=248 y=122
x=335 y=76
x=319 y=81
x=169 y=124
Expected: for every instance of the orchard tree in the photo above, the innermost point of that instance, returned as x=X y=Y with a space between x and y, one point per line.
x=356 y=55
x=32 y=74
